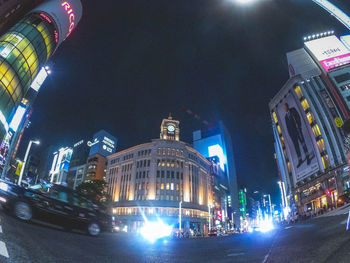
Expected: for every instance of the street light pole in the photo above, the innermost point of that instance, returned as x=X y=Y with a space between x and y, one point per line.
x=25 y=160
x=180 y=217
x=209 y=217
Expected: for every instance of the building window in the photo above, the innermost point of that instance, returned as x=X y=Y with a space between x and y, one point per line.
x=177 y=187
x=172 y=186
x=177 y=175
x=167 y=186
x=172 y=174
x=162 y=174
x=162 y=186
x=158 y=174
x=167 y=174
x=298 y=92
x=342 y=78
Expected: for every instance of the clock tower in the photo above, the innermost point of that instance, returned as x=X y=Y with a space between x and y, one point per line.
x=170 y=130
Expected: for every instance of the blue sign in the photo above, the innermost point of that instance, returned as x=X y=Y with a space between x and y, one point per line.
x=103 y=143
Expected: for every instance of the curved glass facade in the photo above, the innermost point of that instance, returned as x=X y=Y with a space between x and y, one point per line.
x=23 y=51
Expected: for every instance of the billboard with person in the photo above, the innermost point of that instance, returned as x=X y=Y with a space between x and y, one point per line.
x=298 y=138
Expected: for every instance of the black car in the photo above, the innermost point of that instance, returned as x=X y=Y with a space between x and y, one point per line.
x=56 y=204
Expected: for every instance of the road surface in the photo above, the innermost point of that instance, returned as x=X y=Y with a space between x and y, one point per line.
x=316 y=240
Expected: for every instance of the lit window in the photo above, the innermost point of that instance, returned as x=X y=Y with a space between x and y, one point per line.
x=279 y=130
x=321 y=146
x=167 y=186
x=274 y=117
x=298 y=92
x=316 y=130
x=177 y=187
x=325 y=161
x=305 y=104
x=310 y=117
x=172 y=186
x=162 y=186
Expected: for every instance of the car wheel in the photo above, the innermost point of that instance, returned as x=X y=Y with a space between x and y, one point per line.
x=93 y=229
x=23 y=211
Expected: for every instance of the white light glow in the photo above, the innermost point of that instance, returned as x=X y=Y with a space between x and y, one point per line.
x=216 y=150
x=266 y=225
x=3 y=121
x=39 y=79
x=335 y=11
x=3 y=186
x=152 y=231
x=17 y=118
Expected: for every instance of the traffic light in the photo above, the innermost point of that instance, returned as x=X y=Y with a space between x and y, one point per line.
x=328 y=192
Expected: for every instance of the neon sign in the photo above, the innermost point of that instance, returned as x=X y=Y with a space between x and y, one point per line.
x=69 y=10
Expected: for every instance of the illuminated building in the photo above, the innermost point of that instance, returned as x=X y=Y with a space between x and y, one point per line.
x=221 y=197
x=11 y=11
x=217 y=142
x=150 y=180
x=27 y=46
x=89 y=158
x=311 y=159
x=60 y=165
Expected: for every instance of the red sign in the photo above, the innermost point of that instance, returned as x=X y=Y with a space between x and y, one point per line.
x=69 y=10
x=335 y=62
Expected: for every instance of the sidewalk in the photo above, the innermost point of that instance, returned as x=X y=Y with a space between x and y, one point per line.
x=339 y=211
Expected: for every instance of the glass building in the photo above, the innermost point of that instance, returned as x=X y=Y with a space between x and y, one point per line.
x=27 y=46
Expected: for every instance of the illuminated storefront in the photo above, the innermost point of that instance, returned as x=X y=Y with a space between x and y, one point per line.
x=27 y=46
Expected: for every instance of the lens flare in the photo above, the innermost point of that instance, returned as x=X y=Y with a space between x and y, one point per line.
x=152 y=231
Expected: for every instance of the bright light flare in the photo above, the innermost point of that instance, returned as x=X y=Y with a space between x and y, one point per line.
x=266 y=225
x=4 y=186
x=243 y=1
x=152 y=231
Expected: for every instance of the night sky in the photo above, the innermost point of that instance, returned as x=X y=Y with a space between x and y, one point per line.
x=129 y=63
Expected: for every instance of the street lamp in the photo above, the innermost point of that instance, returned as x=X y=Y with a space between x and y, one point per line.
x=209 y=206
x=180 y=217
x=269 y=203
x=25 y=160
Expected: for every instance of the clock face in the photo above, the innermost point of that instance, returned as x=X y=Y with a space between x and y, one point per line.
x=171 y=128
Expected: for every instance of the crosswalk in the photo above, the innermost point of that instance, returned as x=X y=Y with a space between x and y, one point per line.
x=3 y=248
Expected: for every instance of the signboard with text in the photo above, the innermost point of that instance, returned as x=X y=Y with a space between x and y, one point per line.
x=329 y=51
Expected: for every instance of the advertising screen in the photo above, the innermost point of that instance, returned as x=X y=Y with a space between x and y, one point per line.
x=297 y=136
x=102 y=143
x=329 y=51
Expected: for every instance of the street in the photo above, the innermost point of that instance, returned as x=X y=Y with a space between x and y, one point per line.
x=316 y=240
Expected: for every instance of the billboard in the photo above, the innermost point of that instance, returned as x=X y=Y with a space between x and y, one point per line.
x=298 y=138
x=102 y=143
x=329 y=51
x=346 y=40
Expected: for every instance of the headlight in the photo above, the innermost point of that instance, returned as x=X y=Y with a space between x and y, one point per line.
x=4 y=186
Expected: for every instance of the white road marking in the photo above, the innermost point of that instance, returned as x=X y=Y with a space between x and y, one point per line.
x=3 y=249
x=287 y=227
x=235 y=254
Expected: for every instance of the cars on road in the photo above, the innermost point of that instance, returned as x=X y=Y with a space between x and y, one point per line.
x=55 y=204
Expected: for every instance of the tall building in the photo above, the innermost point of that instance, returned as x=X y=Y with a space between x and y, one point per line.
x=150 y=180
x=27 y=46
x=11 y=11
x=217 y=142
x=218 y=212
x=89 y=160
x=307 y=114
x=60 y=165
